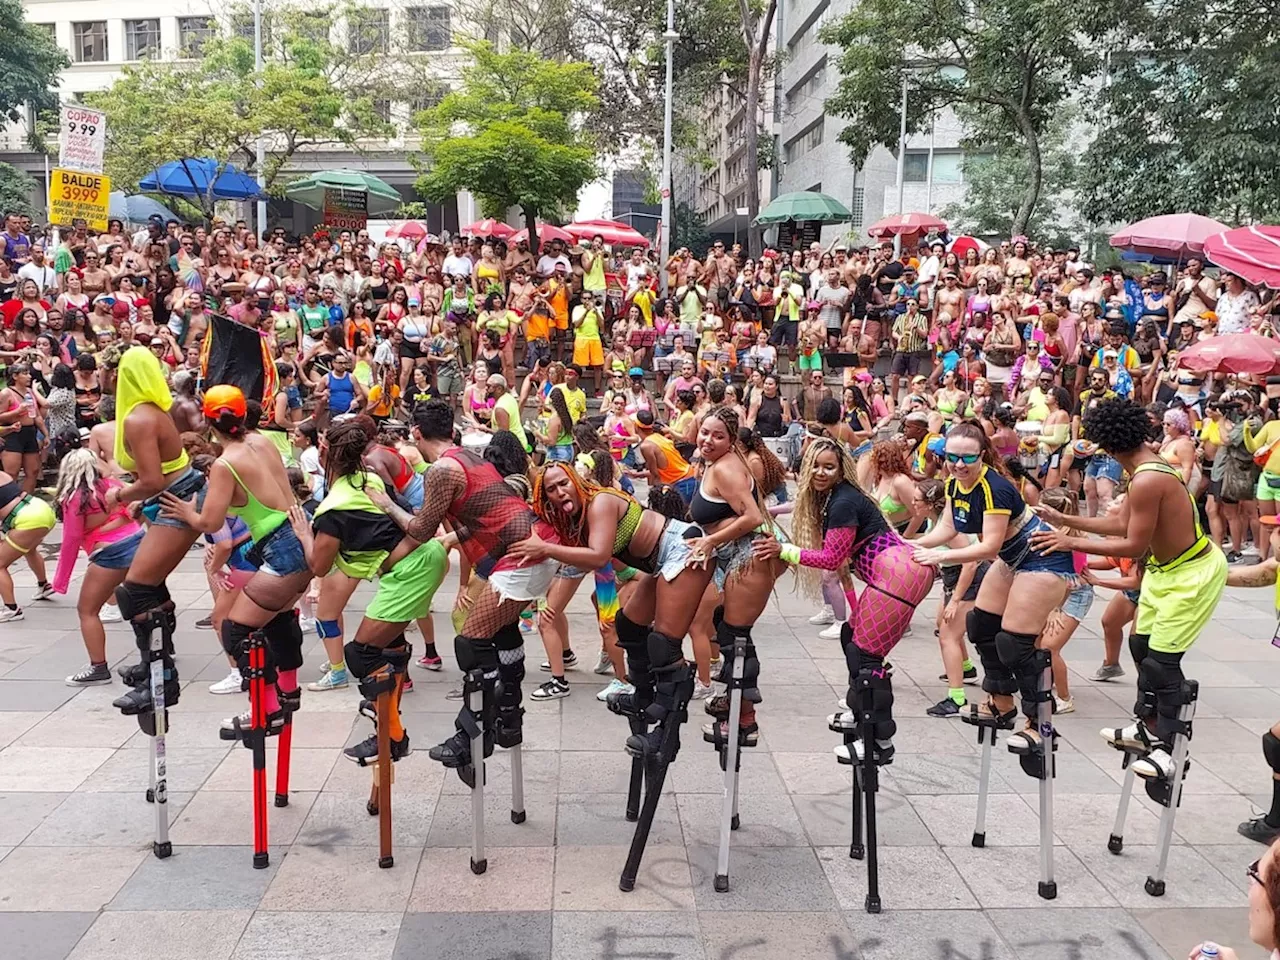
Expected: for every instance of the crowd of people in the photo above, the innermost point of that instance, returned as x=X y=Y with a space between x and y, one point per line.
x=857 y=414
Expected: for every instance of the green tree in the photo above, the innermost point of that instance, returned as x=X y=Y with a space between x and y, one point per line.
x=688 y=230
x=1006 y=67
x=30 y=61
x=1189 y=118
x=16 y=191
x=512 y=134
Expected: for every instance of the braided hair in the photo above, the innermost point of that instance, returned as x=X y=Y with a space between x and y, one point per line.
x=347 y=440
x=570 y=528
x=775 y=474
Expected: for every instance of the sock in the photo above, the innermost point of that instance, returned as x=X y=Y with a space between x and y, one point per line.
x=429 y=650
x=287 y=680
x=339 y=667
x=271 y=701
x=42 y=583
x=97 y=663
x=558 y=679
x=12 y=606
x=569 y=654
x=395 y=729
x=957 y=695
x=968 y=665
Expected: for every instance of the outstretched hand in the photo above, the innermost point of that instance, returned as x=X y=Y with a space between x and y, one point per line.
x=533 y=549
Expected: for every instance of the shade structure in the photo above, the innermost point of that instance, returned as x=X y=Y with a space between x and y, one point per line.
x=488 y=227
x=1238 y=353
x=407 y=230
x=192 y=177
x=804 y=205
x=309 y=191
x=1251 y=253
x=905 y=224
x=546 y=232
x=136 y=209
x=1176 y=235
x=614 y=233
x=961 y=246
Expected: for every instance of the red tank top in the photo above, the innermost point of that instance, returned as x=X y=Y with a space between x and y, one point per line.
x=403 y=472
x=488 y=515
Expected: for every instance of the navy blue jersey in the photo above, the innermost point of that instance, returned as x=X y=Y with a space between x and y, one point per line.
x=992 y=493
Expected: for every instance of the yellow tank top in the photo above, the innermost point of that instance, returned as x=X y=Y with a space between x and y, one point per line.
x=593 y=279
x=677 y=467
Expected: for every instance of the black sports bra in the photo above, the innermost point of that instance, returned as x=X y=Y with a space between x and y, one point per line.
x=704 y=510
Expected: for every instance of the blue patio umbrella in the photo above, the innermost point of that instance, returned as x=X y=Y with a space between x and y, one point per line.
x=137 y=209
x=191 y=177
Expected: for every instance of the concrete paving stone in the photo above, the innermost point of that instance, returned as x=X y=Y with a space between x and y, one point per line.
x=586 y=878
x=417 y=775
x=766 y=820
x=451 y=823
x=466 y=936
x=42 y=936
x=796 y=700
x=519 y=879
x=828 y=819
x=308 y=769
x=697 y=770
x=225 y=818
x=592 y=734
x=593 y=936
x=100 y=726
x=1008 y=877
x=797 y=735
x=765 y=935
x=14 y=723
x=927 y=935
x=541 y=773
x=1232 y=860
x=774 y=878
x=1208 y=818
x=1199 y=781
x=1246 y=771
x=1177 y=931
x=910 y=878
x=20 y=813
x=207 y=934
x=323 y=878
x=130 y=770
x=942 y=775
x=1050 y=934
x=1011 y=821
x=343 y=820
x=1087 y=819
x=1190 y=879
x=197 y=878
x=103 y=820
x=70 y=879
x=357 y=936
x=597 y=772
x=789 y=671
x=813 y=774
x=34 y=695
x=1076 y=773
x=598 y=820
x=48 y=769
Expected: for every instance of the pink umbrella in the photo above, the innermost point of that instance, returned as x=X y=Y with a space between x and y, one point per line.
x=1238 y=353
x=488 y=227
x=1251 y=253
x=546 y=233
x=407 y=230
x=903 y=224
x=1176 y=235
x=614 y=233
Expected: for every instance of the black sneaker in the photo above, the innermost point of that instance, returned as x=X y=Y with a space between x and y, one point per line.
x=553 y=689
x=1235 y=556
x=970 y=675
x=205 y=624
x=456 y=750
x=570 y=661
x=92 y=675
x=946 y=707
x=366 y=751
x=1258 y=829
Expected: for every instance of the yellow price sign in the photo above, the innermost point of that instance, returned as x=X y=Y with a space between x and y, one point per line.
x=75 y=195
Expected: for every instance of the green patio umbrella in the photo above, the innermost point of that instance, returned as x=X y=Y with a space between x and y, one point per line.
x=805 y=205
x=309 y=191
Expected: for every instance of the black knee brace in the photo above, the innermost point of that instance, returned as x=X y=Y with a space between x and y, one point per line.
x=633 y=638
x=235 y=641
x=135 y=599
x=478 y=659
x=1018 y=653
x=1160 y=682
x=284 y=640
x=1271 y=750
x=673 y=680
x=983 y=628
x=510 y=649
x=1139 y=647
x=664 y=651
x=869 y=675
x=726 y=633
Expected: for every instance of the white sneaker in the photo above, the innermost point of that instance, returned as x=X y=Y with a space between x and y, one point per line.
x=246 y=718
x=229 y=684
x=6 y=614
x=823 y=617
x=1132 y=737
x=1064 y=706
x=1156 y=765
x=110 y=614
x=615 y=686
x=845 y=721
x=43 y=593
x=307 y=625
x=604 y=665
x=701 y=690
x=832 y=632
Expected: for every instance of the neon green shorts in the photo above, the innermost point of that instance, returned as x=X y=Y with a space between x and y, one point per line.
x=1268 y=488
x=1175 y=605
x=405 y=591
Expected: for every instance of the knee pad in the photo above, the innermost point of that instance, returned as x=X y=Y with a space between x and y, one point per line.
x=284 y=640
x=135 y=599
x=983 y=628
x=475 y=653
x=1166 y=674
x=1151 y=679
x=632 y=636
x=1139 y=647
x=671 y=695
x=328 y=629
x=508 y=637
x=1271 y=750
x=235 y=639
x=1019 y=654
x=872 y=695
x=510 y=676
x=717 y=615
x=726 y=634
x=664 y=651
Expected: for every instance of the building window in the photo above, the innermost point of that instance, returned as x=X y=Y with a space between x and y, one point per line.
x=242 y=27
x=430 y=28
x=89 y=42
x=141 y=39
x=193 y=34
x=313 y=27
x=858 y=209
x=432 y=93
x=947 y=166
x=382 y=110
x=809 y=140
x=368 y=31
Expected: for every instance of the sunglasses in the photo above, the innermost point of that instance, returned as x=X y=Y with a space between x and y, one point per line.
x=1251 y=871
x=969 y=459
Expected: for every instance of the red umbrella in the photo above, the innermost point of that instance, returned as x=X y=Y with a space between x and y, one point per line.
x=1238 y=353
x=546 y=233
x=961 y=246
x=1177 y=235
x=488 y=227
x=1251 y=253
x=614 y=233
x=407 y=230
x=903 y=224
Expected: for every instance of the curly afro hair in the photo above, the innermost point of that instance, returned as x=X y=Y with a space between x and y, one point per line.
x=1117 y=426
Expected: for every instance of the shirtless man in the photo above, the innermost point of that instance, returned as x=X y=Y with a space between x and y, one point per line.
x=721 y=270
x=949 y=298
x=186 y=412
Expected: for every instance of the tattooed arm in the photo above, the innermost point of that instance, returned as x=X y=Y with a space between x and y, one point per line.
x=1256 y=575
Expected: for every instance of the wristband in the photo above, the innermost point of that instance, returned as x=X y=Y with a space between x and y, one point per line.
x=790 y=553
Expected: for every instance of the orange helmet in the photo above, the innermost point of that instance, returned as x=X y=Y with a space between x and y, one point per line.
x=223 y=397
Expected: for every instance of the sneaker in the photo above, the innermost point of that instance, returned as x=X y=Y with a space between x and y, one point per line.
x=570 y=661
x=234 y=727
x=431 y=663
x=604 y=665
x=832 y=632
x=307 y=625
x=1258 y=829
x=1133 y=737
x=43 y=592
x=748 y=733
x=205 y=624
x=615 y=686
x=454 y=694
x=92 y=675
x=553 y=689
x=715 y=665
x=946 y=707
x=231 y=683
x=717 y=706
x=408 y=684
x=700 y=690
x=846 y=720
x=109 y=614
x=824 y=617
x=1109 y=671
x=884 y=750
x=1156 y=765
x=1064 y=706
x=6 y=614
x=970 y=676
x=332 y=680
x=366 y=750
x=1234 y=557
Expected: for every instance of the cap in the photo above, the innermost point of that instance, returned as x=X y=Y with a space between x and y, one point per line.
x=414 y=302
x=157 y=342
x=1270 y=521
x=1110 y=354
x=497 y=380
x=223 y=397
x=814 y=305
x=636 y=372
x=919 y=379
x=918 y=416
x=862 y=377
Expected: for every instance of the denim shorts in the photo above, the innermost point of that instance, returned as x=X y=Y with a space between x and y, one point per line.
x=189 y=486
x=1021 y=557
x=1078 y=602
x=1104 y=467
x=414 y=491
x=560 y=453
x=118 y=555
x=280 y=553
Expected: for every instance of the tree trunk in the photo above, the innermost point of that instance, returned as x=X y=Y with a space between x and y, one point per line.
x=1035 y=176
x=531 y=224
x=756 y=38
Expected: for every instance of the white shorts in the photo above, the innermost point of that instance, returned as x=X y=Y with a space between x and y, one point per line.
x=524 y=583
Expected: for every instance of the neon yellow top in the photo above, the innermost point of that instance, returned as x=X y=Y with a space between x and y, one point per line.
x=140 y=379
x=261 y=520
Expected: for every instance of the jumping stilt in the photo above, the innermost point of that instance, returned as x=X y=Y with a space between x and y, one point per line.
x=987 y=733
x=282 y=759
x=866 y=756
x=473 y=694
x=1115 y=843
x=385 y=857
x=1044 y=771
x=518 y=814
x=728 y=741
x=256 y=740
x=159 y=793
x=640 y=728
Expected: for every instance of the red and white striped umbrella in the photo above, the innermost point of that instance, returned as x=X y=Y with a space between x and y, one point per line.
x=614 y=233
x=546 y=233
x=407 y=230
x=905 y=224
x=1251 y=253
x=488 y=227
x=961 y=246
